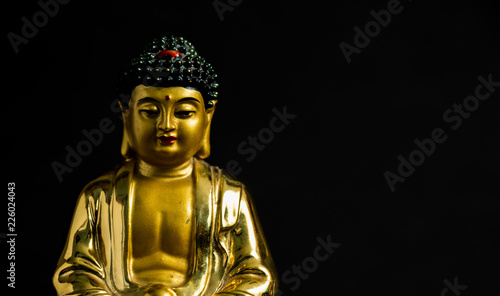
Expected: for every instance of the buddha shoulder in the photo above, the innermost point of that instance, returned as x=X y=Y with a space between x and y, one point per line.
x=223 y=175
x=113 y=177
x=103 y=183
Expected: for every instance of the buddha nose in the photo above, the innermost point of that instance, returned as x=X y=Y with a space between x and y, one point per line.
x=166 y=122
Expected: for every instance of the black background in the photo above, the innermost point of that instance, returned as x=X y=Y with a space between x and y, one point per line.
x=323 y=174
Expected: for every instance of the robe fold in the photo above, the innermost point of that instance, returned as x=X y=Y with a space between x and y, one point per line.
x=231 y=256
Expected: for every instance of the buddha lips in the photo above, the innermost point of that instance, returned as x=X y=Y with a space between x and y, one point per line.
x=167 y=140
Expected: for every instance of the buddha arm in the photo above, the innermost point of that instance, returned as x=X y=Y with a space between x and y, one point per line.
x=250 y=268
x=80 y=269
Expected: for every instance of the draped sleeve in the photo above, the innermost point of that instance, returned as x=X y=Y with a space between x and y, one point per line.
x=80 y=269
x=250 y=269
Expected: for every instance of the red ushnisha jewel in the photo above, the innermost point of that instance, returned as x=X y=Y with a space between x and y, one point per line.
x=169 y=52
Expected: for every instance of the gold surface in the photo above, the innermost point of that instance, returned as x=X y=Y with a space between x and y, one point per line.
x=165 y=222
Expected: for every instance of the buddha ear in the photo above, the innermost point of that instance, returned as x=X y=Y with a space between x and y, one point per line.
x=126 y=147
x=204 y=151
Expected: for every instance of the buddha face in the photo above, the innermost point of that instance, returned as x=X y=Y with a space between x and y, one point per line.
x=166 y=126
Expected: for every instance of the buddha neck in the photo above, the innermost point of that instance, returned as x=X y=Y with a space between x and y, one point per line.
x=174 y=171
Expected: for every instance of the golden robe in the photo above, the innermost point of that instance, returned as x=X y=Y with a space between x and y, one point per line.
x=231 y=256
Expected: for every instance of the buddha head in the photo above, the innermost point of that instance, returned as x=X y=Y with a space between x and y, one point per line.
x=172 y=93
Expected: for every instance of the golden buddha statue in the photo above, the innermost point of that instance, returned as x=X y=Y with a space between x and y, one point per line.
x=165 y=222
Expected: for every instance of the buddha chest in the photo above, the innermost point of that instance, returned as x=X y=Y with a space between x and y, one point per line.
x=161 y=233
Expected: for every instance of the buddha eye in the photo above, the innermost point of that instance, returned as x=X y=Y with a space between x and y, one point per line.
x=150 y=113
x=184 y=114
